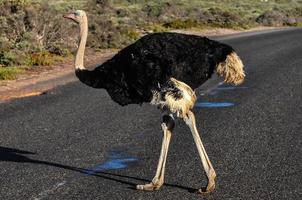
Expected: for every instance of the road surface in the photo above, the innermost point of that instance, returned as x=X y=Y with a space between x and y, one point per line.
x=75 y=143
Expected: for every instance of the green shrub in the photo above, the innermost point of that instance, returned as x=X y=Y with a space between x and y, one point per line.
x=59 y=49
x=15 y=3
x=5 y=43
x=132 y=34
x=298 y=24
x=40 y=59
x=182 y=24
x=152 y=10
x=7 y=58
x=156 y=28
x=9 y=73
x=32 y=32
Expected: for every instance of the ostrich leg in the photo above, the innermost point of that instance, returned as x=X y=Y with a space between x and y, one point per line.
x=207 y=165
x=158 y=180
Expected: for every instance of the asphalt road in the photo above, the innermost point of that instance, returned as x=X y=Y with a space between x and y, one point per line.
x=75 y=143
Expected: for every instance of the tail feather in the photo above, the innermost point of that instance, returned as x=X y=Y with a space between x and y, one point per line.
x=231 y=69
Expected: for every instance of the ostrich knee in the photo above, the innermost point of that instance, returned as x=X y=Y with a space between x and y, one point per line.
x=169 y=121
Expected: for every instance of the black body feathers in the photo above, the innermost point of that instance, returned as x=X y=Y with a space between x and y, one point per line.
x=146 y=65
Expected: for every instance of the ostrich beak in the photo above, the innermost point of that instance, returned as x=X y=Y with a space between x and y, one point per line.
x=69 y=16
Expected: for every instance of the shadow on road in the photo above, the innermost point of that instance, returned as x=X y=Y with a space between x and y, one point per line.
x=20 y=156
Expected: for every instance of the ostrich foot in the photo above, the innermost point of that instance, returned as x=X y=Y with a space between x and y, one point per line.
x=209 y=189
x=154 y=185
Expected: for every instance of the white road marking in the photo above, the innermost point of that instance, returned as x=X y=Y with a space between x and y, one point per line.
x=45 y=193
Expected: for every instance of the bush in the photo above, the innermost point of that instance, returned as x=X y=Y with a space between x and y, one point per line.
x=34 y=32
x=132 y=34
x=223 y=18
x=7 y=58
x=31 y=30
x=152 y=10
x=157 y=28
x=106 y=32
x=9 y=73
x=40 y=59
x=277 y=17
x=182 y=24
x=298 y=24
x=272 y=18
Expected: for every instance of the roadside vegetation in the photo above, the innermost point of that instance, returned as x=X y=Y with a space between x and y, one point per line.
x=33 y=32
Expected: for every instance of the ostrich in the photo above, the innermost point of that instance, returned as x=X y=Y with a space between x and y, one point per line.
x=162 y=69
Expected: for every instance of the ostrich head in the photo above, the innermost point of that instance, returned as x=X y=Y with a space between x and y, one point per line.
x=77 y=16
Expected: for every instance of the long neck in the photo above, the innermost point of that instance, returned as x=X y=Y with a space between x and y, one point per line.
x=92 y=78
x=79 y=60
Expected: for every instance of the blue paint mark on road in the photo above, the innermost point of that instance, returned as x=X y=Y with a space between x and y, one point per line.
x=111 y=164
x=115 y=161
x=213 y=104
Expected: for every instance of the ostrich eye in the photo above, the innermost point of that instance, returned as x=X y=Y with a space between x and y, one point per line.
x=77 y=13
